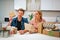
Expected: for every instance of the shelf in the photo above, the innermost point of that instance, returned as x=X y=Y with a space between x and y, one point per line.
x=51 y=10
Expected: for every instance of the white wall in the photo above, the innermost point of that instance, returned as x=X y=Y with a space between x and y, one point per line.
x=51 y=16
x=5 y=7
x=8 y=5
x=48 y=16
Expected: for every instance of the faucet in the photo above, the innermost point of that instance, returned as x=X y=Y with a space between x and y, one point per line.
x=57 y=18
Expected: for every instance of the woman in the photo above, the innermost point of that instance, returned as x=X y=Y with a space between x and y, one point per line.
x=10 y=20
x=11 y=15
x=36 y=19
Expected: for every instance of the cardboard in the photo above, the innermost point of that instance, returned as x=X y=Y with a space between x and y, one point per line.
x=40 y=28
x=51 y=33
x=45 y=32
x=56 y=33
x=29 y=27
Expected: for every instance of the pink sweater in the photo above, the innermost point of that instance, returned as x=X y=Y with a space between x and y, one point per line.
x=34 y=23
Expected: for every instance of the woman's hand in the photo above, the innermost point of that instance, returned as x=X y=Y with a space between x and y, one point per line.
x=22 y=31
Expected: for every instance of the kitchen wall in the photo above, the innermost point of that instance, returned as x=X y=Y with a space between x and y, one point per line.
x=51 y=16
x=48 y=16
x=8 y=5
x=5 y=7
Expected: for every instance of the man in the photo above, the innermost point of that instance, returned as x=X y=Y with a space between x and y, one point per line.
x=19 y=20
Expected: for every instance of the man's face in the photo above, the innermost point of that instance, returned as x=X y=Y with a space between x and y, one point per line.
x=20 y=13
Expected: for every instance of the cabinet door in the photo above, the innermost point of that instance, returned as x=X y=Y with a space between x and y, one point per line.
x=33 y=5
x=20 y=4
x=50 y=4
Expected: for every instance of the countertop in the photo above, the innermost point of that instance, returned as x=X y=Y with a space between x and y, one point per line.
x=27 y=36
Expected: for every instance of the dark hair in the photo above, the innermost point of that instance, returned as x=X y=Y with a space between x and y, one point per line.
x=20 y=9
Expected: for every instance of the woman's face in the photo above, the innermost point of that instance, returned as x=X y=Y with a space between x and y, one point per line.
x=37 y=15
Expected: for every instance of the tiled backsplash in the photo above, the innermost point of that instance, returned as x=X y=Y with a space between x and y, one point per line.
x=50 y=19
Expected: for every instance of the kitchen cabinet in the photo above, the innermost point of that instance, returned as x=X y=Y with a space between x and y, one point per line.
x=53 y=5
x=20 y=4
x=33 y=5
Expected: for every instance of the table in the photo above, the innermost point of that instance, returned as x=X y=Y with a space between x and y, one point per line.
x=4 y=33
x=27 y=36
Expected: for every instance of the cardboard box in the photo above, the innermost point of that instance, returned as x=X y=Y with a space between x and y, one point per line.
x=51 y=33
x=40 y=28
x=29 y=27
x=56 y=33
x=45 y=32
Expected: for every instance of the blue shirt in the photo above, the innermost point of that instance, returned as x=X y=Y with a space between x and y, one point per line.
x=14 y=23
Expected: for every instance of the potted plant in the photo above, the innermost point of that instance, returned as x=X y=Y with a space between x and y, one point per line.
x=30 y=16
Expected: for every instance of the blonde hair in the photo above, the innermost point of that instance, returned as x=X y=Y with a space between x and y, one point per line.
x=40 y=13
